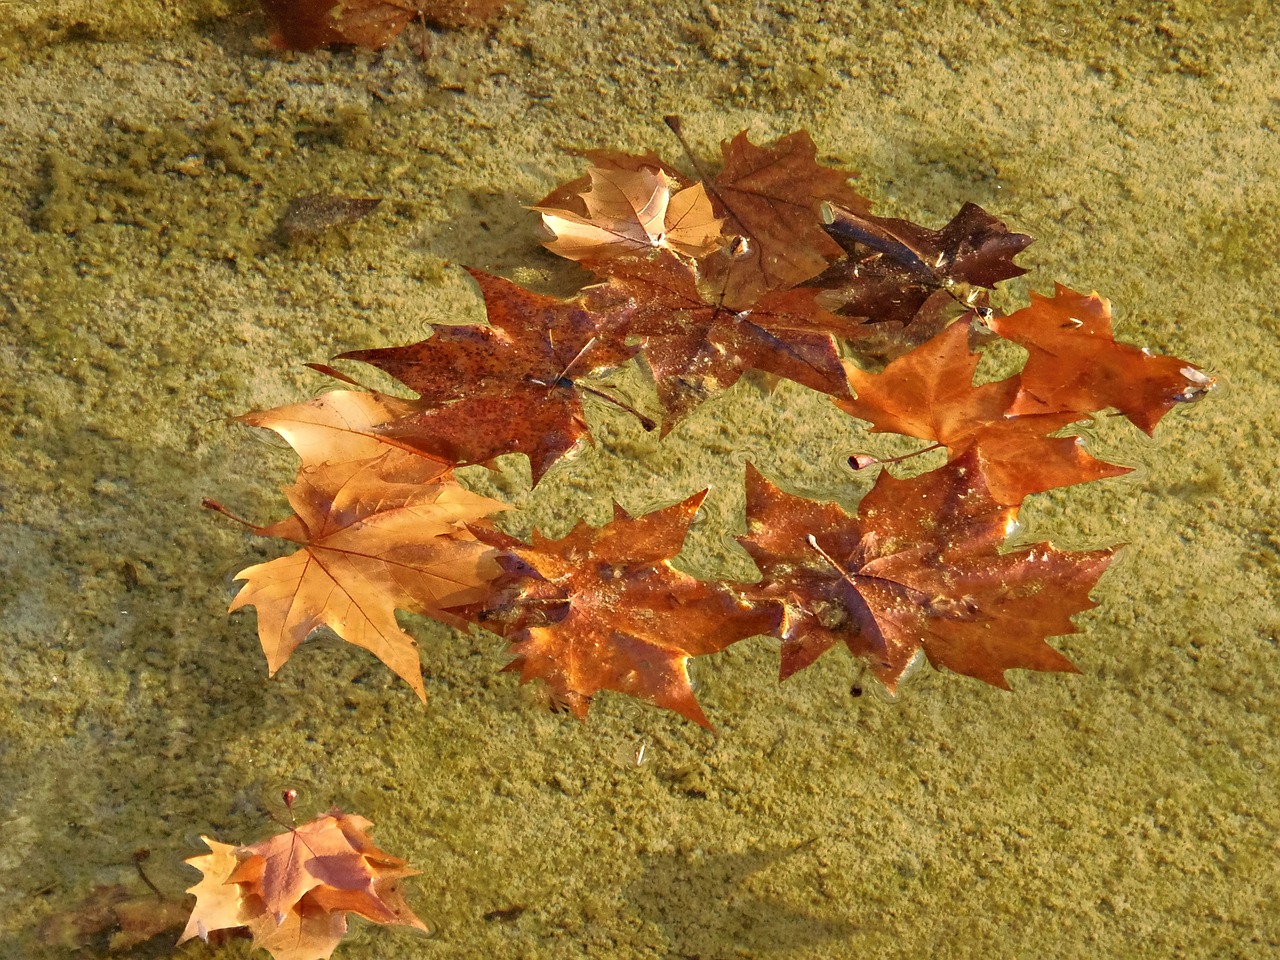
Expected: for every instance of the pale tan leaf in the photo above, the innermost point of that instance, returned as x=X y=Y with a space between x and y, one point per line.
x=378 y=535
x=693 y=229
x=218 y=900
x=629 y=211
x=335 y=426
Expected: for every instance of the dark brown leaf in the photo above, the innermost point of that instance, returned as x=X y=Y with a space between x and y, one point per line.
x=898 y=274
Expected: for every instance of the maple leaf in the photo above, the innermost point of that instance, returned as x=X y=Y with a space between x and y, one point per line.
x=900 y=276
x=1074 y=362
x=694 y=347
x=339 y=426
x=772 y=197
x=929 y=393
x=218 y=901
x=380 y=531
x=292 y=892
x=308 y=24
x=501 y=388
x=568 y=195
x=630 y=210
x=603 y=609
x=919 y=568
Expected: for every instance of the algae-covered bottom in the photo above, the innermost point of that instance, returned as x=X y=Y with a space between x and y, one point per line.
x=147 y=297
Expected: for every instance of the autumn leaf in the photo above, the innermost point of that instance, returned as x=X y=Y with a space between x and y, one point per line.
x=1074 y=363
x=929 y=393
x=218 y=901
x=772 y=198
x=603 y=609
x=308 y=24
x=900 y=277
x=773 y=266
x=973 y=248
x=338 y=427
x=568 y=195
x=312 y=215
x=920 y=568
x=292 y=892
x=381 y=529
x=695 y=347
x=625 y=211
x=508 y=387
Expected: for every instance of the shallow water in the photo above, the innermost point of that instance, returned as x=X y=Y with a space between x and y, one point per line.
x=1125 y=811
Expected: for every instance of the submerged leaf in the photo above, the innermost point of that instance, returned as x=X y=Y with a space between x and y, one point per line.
x=308 y=24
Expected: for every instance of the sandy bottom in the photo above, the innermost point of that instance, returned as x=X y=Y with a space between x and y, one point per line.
x=1126 y=811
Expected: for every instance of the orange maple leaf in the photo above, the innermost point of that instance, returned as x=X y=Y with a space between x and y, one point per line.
x=292 y=892
x=920 y=568
x=1074 y=362
x=381 y=529
x=929 y=393
x=773 y=197
x=603 y=609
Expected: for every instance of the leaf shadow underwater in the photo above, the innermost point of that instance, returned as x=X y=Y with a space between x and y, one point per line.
x=732 y=904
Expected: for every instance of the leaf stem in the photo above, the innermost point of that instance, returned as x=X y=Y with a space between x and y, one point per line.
x=860 y=461
x=647 y=422
x=214 y=505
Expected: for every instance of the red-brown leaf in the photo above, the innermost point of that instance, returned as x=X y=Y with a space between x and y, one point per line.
x=503 y=388
x=772 y=196
x=919 y=568
x=616 y=614
x=696 y=347
x=308 y=24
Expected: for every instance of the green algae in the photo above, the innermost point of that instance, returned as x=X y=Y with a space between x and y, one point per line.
x=153 y=149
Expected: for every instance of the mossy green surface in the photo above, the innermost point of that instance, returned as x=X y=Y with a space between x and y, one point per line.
x=149 y=154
